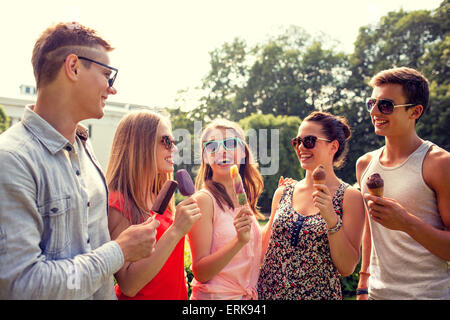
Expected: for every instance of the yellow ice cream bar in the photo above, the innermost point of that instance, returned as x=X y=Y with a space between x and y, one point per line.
x=234 y=171
x=238 y=185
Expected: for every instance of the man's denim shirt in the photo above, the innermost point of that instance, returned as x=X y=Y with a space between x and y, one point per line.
x=50 y=248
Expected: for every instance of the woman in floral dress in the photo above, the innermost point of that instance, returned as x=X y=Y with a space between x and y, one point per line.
x=316 y=228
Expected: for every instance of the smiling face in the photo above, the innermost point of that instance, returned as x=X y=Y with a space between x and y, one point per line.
x=94 y=86
x=400 y=121
x=221 y=159
x=164 y=156
x=323 y=151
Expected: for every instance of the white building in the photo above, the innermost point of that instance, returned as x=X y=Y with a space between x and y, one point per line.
x=101 y=131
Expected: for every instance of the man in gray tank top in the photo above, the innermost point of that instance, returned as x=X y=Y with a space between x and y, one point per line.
x=406 y=241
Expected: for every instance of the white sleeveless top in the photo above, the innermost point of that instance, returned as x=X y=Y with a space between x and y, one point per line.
x=400 y=267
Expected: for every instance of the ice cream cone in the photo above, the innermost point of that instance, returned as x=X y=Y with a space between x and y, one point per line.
x=377 y=191
x=319 y=181
x=375 y=185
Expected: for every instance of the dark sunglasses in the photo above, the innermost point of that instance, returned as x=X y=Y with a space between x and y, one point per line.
x=385 y=106
x=228 y=144
x=112 y=76
x=309 y=142
x=167 y=142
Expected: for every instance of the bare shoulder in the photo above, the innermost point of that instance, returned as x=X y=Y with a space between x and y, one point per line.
x=204 y=202
x=352 y=192
x=353 y=208
x=436 y=167
x=203 y=198
x=278 y=193
x=362 y=164
x=275 y=201
x=353 y=196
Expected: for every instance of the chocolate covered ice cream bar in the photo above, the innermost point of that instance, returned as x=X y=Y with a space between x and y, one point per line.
x=164 y=196
x=185 y=184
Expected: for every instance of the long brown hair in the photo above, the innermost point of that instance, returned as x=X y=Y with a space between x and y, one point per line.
x=132 y=169
x=250 y=175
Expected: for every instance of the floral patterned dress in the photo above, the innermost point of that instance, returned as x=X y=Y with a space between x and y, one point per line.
x=298 y=263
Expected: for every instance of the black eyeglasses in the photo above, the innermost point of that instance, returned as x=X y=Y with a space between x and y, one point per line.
x=385 y=106
x=309 y=142
x=167 y=142
x=112 y=76
x=228 y=144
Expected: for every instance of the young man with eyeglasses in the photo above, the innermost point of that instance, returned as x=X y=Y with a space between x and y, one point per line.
x=54 y=238
x=406 y=243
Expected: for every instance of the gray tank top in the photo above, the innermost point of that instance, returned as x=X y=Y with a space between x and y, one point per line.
x=400 y=267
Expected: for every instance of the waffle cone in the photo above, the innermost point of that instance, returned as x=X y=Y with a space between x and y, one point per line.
x=377 y=191
x=319 y=181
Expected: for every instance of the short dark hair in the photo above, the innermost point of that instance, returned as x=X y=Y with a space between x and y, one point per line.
x=415 y=85
x=58 y=41
x=334 y=128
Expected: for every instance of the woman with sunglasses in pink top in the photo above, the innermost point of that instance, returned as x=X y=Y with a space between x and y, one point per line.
x=316 y=229
x=226 y=241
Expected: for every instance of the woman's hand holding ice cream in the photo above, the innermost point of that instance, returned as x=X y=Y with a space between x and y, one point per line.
x=322 y=199
x=242 y=221
x=243 y=224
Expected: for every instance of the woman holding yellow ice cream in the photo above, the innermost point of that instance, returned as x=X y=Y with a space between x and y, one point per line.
x=226 y=242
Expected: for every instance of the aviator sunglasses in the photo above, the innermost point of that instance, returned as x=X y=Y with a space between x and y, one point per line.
x=385 y=106
x=309 y=142
x=228 y=144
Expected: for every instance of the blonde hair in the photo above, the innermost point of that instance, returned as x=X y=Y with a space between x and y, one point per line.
x=132 y=169
x=251 y=177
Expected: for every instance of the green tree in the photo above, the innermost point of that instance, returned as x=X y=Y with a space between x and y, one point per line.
x=288 y=74
x=276 y=84
x=4 y=119
x=435 y=124
x=415 y=39
x=288 y=165
x=229 y=72
x=183 y=129
x=292 y=74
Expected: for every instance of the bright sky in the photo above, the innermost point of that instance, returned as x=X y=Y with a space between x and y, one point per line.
x=163 y=46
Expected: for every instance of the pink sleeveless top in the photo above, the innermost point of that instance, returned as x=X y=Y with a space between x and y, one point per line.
x=239 y=278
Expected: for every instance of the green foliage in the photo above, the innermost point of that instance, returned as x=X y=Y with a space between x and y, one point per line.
x=229 y=71
x=288 y=163
x=292 y=74
x=184 y=121
x=4 y=119
x=188 y=266
x=350 y=283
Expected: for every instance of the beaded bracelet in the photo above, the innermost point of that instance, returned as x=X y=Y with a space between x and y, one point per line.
x=337 y=227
